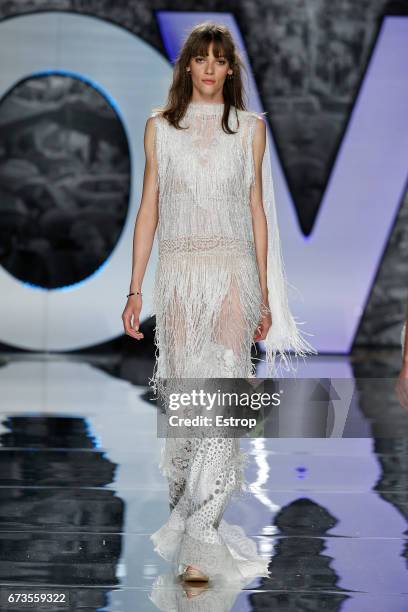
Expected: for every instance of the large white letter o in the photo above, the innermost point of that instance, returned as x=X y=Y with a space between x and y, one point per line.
x=137 y=78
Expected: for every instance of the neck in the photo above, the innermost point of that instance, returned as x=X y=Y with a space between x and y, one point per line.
x=206 y=103
x=205 y=108
x=207 y=100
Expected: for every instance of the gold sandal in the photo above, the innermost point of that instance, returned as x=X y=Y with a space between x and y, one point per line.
x=192 y=574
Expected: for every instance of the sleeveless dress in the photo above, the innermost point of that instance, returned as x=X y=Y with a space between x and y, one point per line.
x=207 y=302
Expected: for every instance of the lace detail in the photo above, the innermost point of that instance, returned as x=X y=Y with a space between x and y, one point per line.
x=201 y=244
x=203 y=475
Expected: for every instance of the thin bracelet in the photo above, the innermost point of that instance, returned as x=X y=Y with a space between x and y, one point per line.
x=137 y=293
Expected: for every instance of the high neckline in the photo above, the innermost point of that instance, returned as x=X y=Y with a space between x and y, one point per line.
x=205 y=108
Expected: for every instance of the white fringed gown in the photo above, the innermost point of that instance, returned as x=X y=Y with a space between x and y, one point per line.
x=207 y=302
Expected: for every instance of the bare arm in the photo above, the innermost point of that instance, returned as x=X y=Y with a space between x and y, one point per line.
x=147 y=216
x=143 y=235
x=259 y=222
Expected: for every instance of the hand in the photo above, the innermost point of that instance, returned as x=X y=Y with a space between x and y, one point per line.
x=132 y=309
x=265 y=322
x=401 y=387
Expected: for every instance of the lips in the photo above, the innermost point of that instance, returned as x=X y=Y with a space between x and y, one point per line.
x=209 y=81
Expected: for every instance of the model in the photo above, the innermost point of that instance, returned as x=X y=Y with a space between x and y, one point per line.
x=219 y=285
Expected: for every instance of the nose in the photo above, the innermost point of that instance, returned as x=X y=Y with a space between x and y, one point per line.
x=209 y=68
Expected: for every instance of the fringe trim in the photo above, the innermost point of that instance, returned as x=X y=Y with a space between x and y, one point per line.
x=204 y=180
x=197 y=298
x=284 y=336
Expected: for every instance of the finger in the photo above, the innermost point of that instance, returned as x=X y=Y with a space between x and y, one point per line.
x=257 y=333
x=263 y=334
x=129 y=329
x=136 y=323
x=135 y=334
x=132 y=333
x=127 y=325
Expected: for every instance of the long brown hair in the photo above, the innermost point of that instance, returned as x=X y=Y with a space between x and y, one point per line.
x=181 y=90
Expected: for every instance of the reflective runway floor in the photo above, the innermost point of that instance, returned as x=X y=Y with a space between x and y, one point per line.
x=80 y=493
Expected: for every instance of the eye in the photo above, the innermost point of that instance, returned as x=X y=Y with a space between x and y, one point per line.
x=222 y=62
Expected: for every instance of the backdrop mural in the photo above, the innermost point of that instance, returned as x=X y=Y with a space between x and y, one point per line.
x=65 y=180
x=308 y=63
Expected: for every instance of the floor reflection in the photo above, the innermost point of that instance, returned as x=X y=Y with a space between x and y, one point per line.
x=170 y=594
x=80 y=493
x=299 y=563
x=55 y=515
x=392 y=485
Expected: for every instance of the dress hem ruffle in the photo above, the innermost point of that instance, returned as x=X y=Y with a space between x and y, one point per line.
x=234 y=559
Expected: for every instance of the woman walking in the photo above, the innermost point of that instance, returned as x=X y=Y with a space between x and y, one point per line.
x=219 y=285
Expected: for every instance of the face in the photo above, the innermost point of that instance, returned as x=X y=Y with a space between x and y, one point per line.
x=208 y=74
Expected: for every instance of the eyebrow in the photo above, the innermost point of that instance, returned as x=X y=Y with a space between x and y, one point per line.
x=202 y=55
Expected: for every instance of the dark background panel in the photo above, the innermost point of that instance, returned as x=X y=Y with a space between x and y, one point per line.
x=308 y=59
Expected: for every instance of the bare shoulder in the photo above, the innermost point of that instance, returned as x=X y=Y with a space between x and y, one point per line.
x=259 y=123
x=153 y=117
x=253 y=115
x=150 y=126
x=149 y=135
x=155 y=114
x=256 y=123
x=259 y=134
x=260 y=131
x=150 y=123
x=259 y=119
